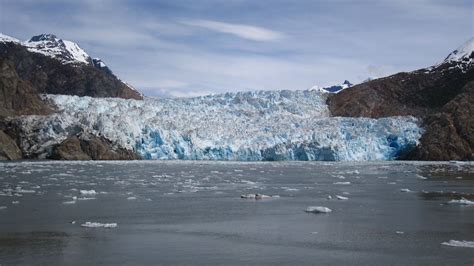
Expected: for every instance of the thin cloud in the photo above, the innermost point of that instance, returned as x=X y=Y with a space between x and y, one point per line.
x=248 y=32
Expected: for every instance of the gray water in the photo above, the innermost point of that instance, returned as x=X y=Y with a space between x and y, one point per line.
x=182 y=212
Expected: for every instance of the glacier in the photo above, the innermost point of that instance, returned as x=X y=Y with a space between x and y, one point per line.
x=245 y=126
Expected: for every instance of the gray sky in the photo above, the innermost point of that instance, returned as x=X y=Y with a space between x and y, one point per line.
x=191 y=47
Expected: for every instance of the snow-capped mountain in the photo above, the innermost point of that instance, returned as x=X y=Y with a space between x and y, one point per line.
x=6 y=38
x=462 y=58
x=465 y=52
x=77 y=73
x=332 y=89
x=262 y=125
x=66 y=51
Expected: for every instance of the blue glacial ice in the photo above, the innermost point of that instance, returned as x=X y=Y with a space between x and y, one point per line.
x=261 y=125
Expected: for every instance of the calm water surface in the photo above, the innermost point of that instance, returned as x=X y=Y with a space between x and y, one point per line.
x=183 y=212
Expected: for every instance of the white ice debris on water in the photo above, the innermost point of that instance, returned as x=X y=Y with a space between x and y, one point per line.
x=256 y=196
x=131 y=198
x=97 y=225
x=342 y=183
x=341 y=197
x=245 y=126
x=3 y=207
x=405 y=190
x=459 y=243
x=461 y=201
x=88 y=192
x=318 y=209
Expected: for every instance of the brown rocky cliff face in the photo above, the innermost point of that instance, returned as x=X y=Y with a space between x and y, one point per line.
x=442 y=98
x=89 y=147
x=18 y=97
x=48 y=75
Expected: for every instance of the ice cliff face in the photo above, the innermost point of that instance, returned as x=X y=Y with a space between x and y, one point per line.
x=264 y=125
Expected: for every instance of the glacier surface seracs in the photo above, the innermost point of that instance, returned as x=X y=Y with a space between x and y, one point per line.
x=259 y=125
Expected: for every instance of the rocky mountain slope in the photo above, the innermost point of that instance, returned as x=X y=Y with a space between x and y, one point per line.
x=47 y=64
x=441 y=95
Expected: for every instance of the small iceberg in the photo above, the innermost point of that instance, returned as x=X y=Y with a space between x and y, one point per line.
x=458 y=243
x=318 y=209
x=405 y=190
x=88 y=192
x=462 y=201
x=341 y=197
x=98 y=225
x=342 y=183
x=256 y=196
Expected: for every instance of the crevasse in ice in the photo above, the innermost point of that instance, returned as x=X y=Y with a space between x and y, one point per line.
x=261 y=125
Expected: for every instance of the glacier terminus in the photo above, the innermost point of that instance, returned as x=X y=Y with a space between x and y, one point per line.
x=244 y=126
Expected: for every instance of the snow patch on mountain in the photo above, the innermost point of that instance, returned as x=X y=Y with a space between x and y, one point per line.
x=462 y=58
x=261 y=125
x=6 y=38
x=65 y=51
x=465 y=51
x=332 y=89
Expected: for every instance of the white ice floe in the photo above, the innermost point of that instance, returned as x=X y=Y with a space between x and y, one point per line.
x=256 y=196
x=88 y=192
x=342 y=183
x=459 y=243
x=462 y=201
x=341 y=197
x=131 y=198
x=318 y=209
x=405 y=190
x=97 y=225
x=86 y=198
x=15 y=202
x=3 y=207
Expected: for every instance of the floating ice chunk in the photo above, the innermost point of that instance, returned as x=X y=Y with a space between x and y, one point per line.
x=399 y=232
x=421 y=177
x=342 y=183
x=318 y=209
x=15 y=202
x=461 y=201
x=88 y=192
x=3 y=207
x=73 y=222
x=25 y=191
x=86 y=198
x=96 y=225
x=459 y=243
x=69 y=202
x=132 y=198
x=256 y=196
x=341 y=197
x=329 y=197
x=405 y=190
x=355 y=172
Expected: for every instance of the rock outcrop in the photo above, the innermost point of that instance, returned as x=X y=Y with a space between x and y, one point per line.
x=49 y=75
x=90 y=147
